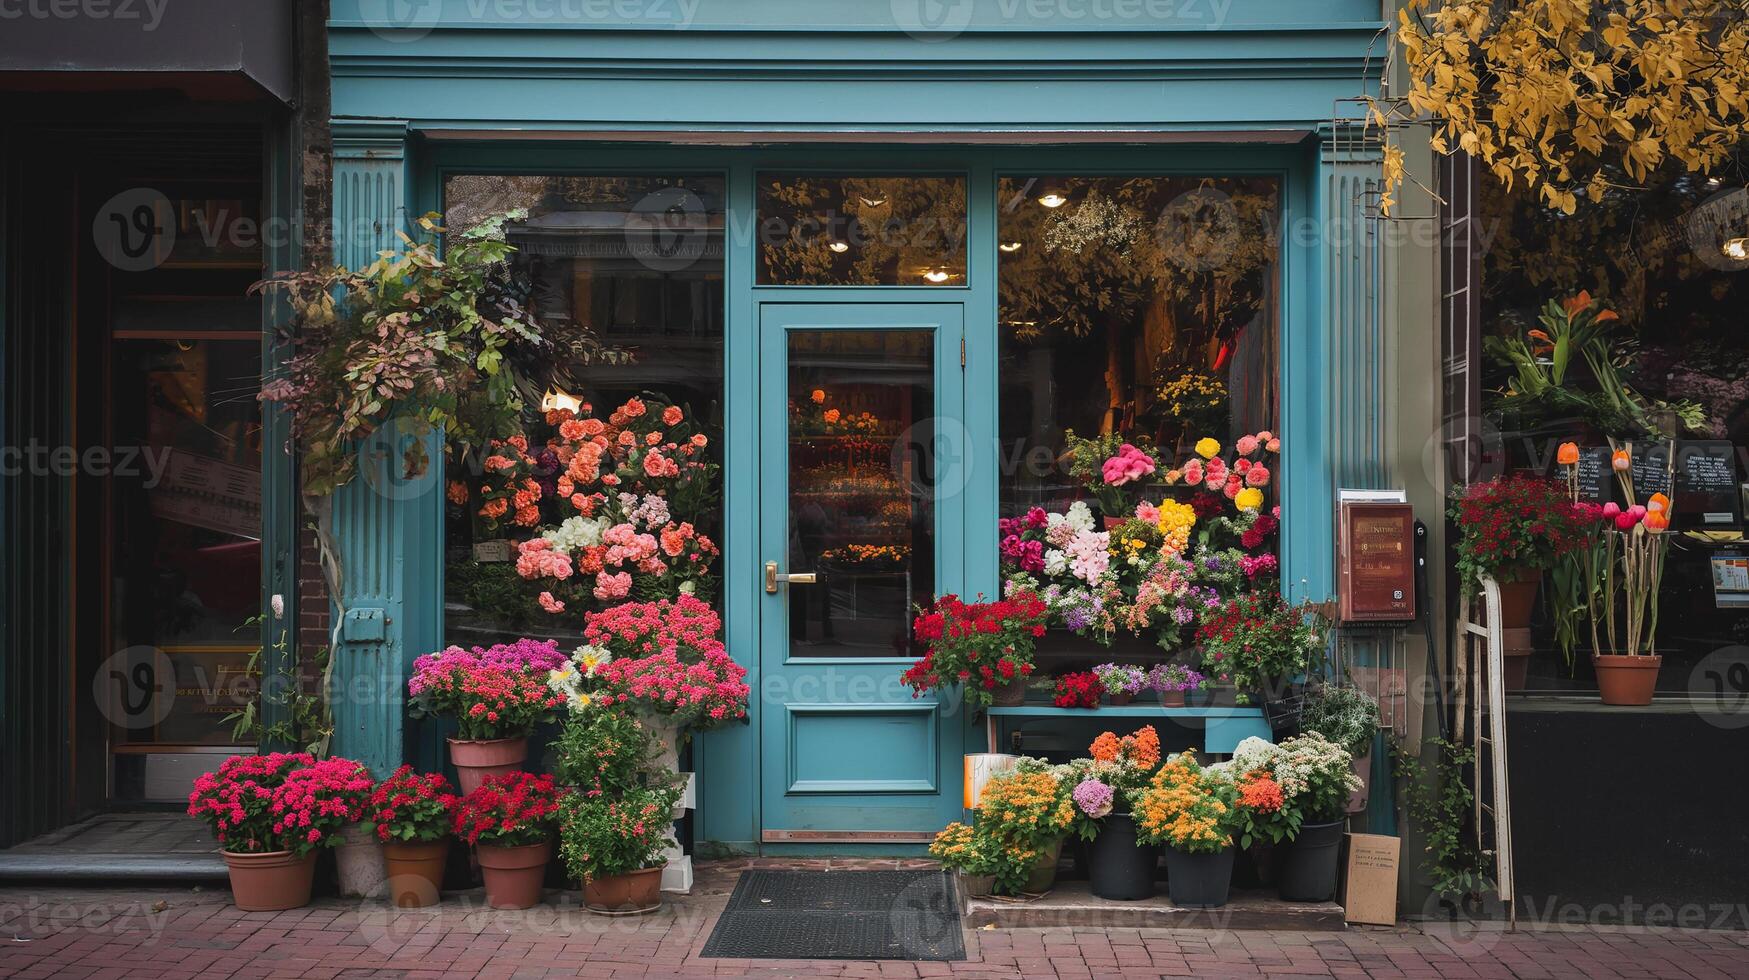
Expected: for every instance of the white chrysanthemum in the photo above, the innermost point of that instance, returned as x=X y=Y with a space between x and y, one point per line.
x=564 y=680
x=589 y=659
x=576 y=533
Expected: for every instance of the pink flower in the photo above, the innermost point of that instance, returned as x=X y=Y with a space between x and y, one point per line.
x=1625 y=521
x=1257 y=476
x=550 y=604
x=1147 y=512
x=1246 y=445
x=613 y=586
x=1129 y=464
x=1193 y=472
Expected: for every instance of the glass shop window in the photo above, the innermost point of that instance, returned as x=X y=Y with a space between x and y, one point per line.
x=1139 y=330
x=625 y=276
x=816 y=230
x=1144 y=310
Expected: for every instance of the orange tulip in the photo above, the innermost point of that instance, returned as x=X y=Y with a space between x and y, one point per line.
x=1659 y=504
x=1568 y=454
x=1656 y=522
x=1621 y=461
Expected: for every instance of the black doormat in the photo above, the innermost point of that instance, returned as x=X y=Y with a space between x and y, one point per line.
x=840 y=915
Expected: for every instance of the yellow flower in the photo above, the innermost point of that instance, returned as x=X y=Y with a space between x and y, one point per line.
x=1207 y=448
x=1249 y=498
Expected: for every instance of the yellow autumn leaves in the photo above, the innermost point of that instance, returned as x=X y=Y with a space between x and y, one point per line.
x=1557 y=93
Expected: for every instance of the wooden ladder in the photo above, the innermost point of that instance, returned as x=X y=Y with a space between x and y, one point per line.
x=1480 y=667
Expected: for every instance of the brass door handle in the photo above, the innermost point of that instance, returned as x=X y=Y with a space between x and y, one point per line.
x=773 y=577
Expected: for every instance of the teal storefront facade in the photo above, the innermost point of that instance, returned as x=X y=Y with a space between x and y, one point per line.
x=838 y=756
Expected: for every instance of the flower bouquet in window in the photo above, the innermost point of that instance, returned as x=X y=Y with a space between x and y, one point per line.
x=985 y=648
x=1115 y=470
x=509 y=492
x=1616 y=576
x=645 y=446
x=510 y=820
x=1066 y=562
x=495 y=695
x=1260 y=644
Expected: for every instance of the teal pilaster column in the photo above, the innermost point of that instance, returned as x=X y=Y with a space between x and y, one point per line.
x=386 y=525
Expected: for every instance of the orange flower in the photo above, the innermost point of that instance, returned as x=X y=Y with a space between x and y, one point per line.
x=1144 y=747
x=1621 y=461
x=1105 y=748
x=1575 y=305
x=1568 y=454
x=1658 y=504
x=1656 y=522
x=817 y=396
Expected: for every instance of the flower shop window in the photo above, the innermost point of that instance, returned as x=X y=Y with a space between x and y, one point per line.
x=820 y=230
x=625 y=276
x=1139 y=329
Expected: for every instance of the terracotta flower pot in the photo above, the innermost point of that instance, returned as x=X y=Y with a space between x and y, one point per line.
x=1121 y=698
x=1009 y=695
x=415 y=871
x=474 y=761
x=1515 y=648
x=634 y=891
x=1172 y=699
x=1518 y=586
x=1113 y=523
x=271 y=882
x=513 y=875
x=1626 y=680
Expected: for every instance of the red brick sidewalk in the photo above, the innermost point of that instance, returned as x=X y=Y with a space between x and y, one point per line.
x=158 y=932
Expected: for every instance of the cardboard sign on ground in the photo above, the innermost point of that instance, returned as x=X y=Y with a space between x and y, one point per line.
x=1370 y=887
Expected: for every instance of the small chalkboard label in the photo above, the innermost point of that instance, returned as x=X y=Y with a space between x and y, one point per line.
x=1594 y=474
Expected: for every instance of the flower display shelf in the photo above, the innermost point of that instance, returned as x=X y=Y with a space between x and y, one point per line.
x=1061 y=651
x=1223 y=728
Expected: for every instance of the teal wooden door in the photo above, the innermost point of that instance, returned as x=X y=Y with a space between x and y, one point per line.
x=863 y=458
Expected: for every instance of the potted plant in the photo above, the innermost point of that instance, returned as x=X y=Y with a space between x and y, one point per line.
x=1622 y=568
x=495 y=695
x=1120 y=866
x=509 y=820
x=968 y=854
x=1122 y=682
x=1173 y=682
x=1316 y=777
x=1260 y=644
x=614 y=846
x=1077 y=689
x=413 y=813
x=1512 y=528
x=1024 y=813
x=270 y=814
x=984 y=647
x=1189 y=811
x=1349 y=717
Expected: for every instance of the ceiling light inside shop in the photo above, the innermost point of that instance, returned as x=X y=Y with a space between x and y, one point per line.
x=1736 y=249
x=839 y=247
x=555 y=400
x=1009 y=246
x=873 y=202
x=1052 y=199
x=937 y=275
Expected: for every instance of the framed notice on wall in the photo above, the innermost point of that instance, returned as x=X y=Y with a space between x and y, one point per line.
x=1375 y=559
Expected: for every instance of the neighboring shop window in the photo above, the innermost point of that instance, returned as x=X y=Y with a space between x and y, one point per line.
x=816 y=230
x=635 y=264
x=1668 y=366
x=1139 y=330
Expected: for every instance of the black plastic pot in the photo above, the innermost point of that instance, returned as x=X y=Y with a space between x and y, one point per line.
x=1199 y=881
x=1306 y=869
x=1117 y=867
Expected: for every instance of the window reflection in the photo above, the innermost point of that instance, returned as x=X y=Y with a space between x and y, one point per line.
x=861 y=231
x=861 y=488
x=1145 y=306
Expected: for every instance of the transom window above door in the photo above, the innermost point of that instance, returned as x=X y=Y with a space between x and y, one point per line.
x=836 y=230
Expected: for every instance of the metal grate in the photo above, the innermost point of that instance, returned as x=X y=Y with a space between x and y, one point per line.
x=840 y=915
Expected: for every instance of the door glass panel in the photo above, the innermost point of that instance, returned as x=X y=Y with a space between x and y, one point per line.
x=861 y=489
x=817 y=230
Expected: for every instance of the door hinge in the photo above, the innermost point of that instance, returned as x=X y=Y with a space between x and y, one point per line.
x=962 y=352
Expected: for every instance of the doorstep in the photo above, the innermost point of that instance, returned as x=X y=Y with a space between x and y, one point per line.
x=119 y=846
x=1071 y=903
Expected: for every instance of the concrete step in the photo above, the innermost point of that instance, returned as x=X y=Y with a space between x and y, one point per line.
x=1071 y=903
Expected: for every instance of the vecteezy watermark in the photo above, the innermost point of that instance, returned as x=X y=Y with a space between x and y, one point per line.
x=668 y=230
x=942 y=20
x=1719 y=685
x=148 y=14
x=32 y=917
x=396 y=459
x=403 y=21
x=135 y=688
x=125 y=462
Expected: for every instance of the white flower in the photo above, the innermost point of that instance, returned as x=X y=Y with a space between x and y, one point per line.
x=564 y=680
x=576 y=533
x=578 y=703
x=688 y=587
x=590 y=659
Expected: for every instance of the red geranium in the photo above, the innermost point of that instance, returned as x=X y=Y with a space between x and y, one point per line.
x=979 y=646
x=237 y=800
x=1511 y=522
x=1080 y=689
x=511 y=810
x=412 y=806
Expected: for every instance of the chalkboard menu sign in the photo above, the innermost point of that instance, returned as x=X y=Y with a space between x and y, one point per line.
x=1705 y=471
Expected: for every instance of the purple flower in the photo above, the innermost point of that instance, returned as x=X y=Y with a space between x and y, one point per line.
x=1093 y=797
